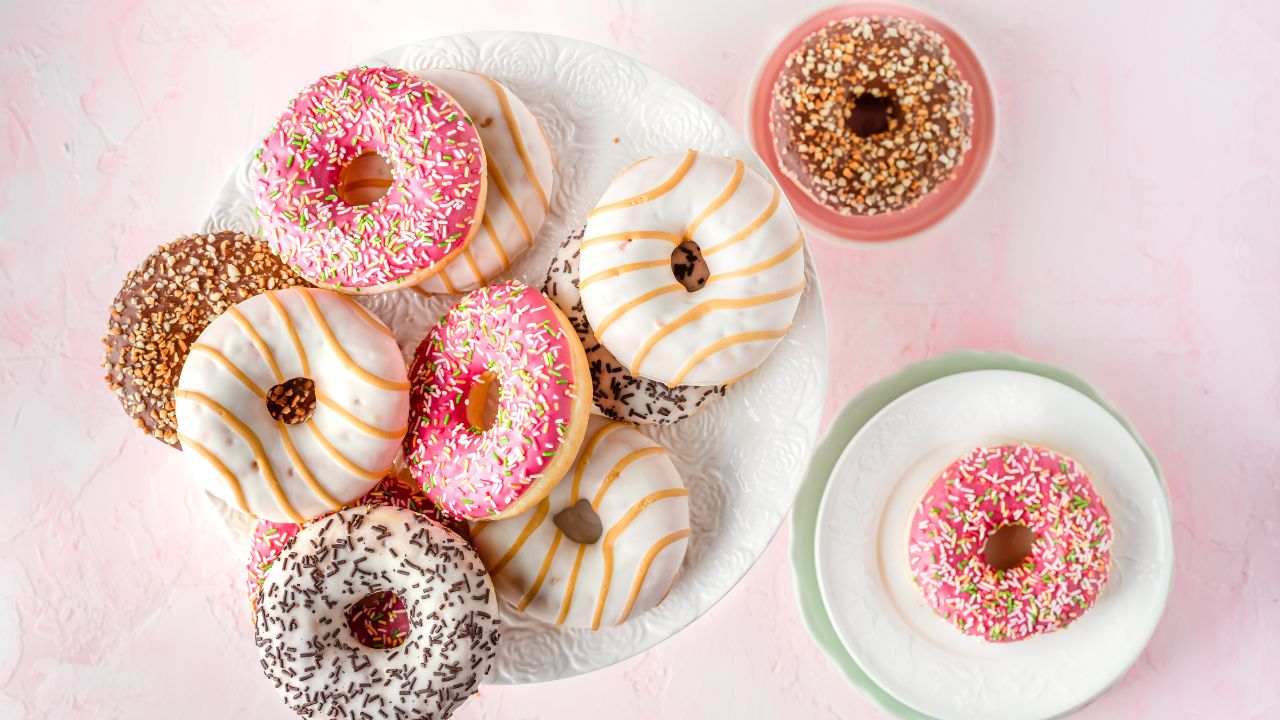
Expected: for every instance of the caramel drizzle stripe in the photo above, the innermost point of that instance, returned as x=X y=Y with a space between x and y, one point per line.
x=374 y=380
x=614 y=272
x=653 y=193
x=612 y=535
x=518 y=139
x=487 y=224
x=350 y=417
x=762 y=265
x=255 y=444
x=303 y=470
x=256 y=339
x=618 y=468
x=738 y=170
x=642 y=572
x=444 y=278
x=341 y=459
x=230 y=367
x=751 y=227
x=471 y=264
x=293 y=333
x=739 y=377
x=574 y=492
x=542 y=573
x=570 y=586
x=673 y=238
x=221 y=467
x=725 y=342
x=703 y=309
x=496 y=176
x=535 y=521
x=365 y=315
x=419 y=289
x=626 y=307
x=612 y=475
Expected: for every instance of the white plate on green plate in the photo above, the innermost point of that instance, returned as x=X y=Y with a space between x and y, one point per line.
x=879 y=631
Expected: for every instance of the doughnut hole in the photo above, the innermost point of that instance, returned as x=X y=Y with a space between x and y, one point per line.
x=364 y=180
x=482 y=402
x=1008 y=547
x=869 y=114
x=688 y=266
x=292 y=401
x=379 y=620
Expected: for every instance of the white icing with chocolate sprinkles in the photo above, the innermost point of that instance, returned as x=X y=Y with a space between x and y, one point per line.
x=313 y=657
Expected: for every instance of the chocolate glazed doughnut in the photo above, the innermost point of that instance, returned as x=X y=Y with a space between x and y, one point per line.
x=870 y=114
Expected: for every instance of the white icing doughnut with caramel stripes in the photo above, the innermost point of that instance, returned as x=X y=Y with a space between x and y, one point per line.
x=605 y=545
x=521 y=171
x=749 y=239
x=292 y=404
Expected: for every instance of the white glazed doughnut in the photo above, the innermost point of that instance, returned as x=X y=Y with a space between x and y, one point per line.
x=521 y=176
x=313 y=656
x=618 y=393
x=753 y=249
x=292 y=404
x=605 y=545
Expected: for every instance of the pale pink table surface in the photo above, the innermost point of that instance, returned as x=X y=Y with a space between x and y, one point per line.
x=1127 y=231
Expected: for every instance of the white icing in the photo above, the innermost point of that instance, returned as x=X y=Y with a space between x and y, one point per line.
x=661 y=338
x=501 y=237
x=383 y=405
x=667 y=516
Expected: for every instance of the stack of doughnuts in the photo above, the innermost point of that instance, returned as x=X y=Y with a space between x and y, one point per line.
x=396 y=503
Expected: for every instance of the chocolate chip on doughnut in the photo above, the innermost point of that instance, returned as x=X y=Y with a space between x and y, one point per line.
x=870 y=114
x=618 y=393
x=309 y=649
x=164 y=305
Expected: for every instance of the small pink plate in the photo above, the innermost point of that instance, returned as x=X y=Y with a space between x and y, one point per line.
x=935 y=207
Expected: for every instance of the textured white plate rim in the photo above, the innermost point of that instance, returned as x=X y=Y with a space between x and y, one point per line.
x=549 y=63
x=1160 y=527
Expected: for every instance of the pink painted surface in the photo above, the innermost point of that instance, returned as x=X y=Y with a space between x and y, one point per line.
x=1126 y=231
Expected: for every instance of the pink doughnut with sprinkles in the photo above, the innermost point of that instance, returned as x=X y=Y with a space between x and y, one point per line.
x=499 y=404
x=371 y=180
x=1011 y=542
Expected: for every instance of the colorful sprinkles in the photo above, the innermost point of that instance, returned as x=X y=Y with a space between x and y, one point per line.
x=509 y=337
x=987 y=489
x=891 y=63
x=428 y=214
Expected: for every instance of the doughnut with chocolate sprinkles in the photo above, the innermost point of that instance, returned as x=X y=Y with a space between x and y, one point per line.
x=311 y=654
x=164 y=305
x=617 y=393
x=870 y=114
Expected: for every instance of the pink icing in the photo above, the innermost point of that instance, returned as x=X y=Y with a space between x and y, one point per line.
x=429 y=212
x=990 y=488
x=511 y=331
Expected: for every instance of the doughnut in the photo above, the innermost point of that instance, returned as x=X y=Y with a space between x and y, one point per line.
x=501 y=398
x=1010 y=542
x=605 y=545
x=617 y=393
x=870 y=114
x=165 y=303
x=520 y=173
x=753 y=249
x=292 y=404
x=371 y=180
x=311 y=653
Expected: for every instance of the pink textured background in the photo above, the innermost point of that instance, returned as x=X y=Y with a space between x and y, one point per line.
x=1127 y=231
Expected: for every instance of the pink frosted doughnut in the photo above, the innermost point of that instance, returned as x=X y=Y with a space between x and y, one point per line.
x=1047 y=579
x=511 y=344
x=436 y=191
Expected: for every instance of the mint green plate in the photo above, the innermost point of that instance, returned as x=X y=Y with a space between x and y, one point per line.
x=846 y=424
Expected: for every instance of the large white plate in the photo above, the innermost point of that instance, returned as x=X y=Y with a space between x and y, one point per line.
x=743 y=457
x=863 y=572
